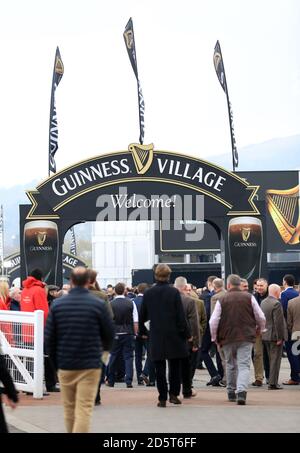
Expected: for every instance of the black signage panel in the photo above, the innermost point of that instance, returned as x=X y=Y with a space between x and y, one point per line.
x=176 y=239
x=280 y=191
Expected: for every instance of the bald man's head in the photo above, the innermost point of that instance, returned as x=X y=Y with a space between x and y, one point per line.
x=275 y=291
x=80 y=277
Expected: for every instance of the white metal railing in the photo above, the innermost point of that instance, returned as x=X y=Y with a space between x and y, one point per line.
x=22 y=343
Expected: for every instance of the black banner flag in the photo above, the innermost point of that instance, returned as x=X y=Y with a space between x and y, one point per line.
x=73 y=246
x=220 y=70
x=58 y=72
x=130 y=46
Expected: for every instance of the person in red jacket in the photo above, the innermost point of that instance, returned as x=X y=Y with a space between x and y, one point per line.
x=33 y=297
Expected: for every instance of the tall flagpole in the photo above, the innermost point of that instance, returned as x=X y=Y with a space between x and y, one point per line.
x=58 y=72
x=130 y=46
x=230 y=118
x=220 y=70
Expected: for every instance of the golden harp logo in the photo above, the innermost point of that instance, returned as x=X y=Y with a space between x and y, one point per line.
x=59 y=67
x=128 y=35
x=246 y=234
x=41 y=237
x=284 y=208
x=142 y=157
x=217 y=59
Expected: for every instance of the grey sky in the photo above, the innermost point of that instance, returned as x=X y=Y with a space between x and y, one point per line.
x=185 y=106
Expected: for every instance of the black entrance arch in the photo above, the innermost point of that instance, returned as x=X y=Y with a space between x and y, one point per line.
x=108 y=187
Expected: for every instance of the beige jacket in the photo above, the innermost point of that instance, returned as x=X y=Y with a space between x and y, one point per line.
x=275 y=322
x=293 y=318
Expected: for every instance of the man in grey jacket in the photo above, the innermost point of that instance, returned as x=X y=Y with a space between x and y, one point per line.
x=275 y=335
x=191 y=314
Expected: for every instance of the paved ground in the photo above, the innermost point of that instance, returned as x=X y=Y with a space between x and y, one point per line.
x=134 y=410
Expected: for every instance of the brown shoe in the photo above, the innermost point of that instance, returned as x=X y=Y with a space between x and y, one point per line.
x=174 y=399
x=290 y=382
x=162 y=404
x=257 y=383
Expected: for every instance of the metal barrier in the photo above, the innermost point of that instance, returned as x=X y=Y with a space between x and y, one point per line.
x=22 y=343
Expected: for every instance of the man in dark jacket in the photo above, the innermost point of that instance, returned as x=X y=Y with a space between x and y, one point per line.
x=78 y=329
x=126 y=320
x=169 y=332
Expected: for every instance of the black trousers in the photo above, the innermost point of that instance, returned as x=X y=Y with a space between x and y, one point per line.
x=3 y=426
x=174 y=378
x=266 y=361
x=140 y=345
x=123 y=344
x=50 y=373
x=194 y=363
x=205 y=348
x=188 y=367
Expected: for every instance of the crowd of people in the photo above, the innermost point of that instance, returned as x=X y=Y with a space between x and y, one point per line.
x=165 y=331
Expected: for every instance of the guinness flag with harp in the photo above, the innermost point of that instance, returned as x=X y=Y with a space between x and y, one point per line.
x=130 y=46
x=220 y=70
x=73 y=245
x=58 y=72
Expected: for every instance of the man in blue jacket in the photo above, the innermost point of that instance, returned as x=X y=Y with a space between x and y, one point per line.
x=288 y=294
x=79 y=328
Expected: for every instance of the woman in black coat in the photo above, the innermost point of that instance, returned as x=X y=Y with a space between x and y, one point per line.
x=168 y=335
x=9 y=390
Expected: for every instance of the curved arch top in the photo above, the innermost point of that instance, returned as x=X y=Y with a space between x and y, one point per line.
x=139 y=168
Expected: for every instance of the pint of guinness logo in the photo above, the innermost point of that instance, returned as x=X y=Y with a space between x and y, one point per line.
x=245 y=237
x=41 y=248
